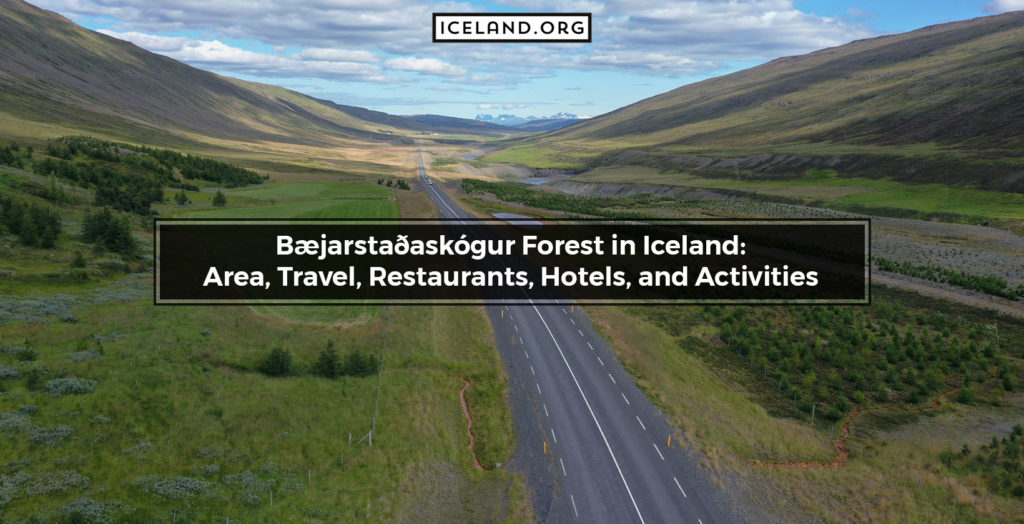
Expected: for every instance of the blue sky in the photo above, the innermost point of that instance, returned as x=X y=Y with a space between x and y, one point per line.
x=378 y=54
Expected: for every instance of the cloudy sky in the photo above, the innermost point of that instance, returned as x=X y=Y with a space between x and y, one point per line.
x=378 y=53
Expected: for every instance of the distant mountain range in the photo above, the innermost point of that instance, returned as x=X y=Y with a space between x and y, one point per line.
x=58 y=76
x=533 y=123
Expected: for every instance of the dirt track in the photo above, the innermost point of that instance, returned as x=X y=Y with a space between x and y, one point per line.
x=950 y=293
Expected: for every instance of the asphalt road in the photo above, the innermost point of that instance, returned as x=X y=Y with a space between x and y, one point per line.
x=593 y=448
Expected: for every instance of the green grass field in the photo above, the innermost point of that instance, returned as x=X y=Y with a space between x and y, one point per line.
x=180 y=426
x=177 y=396
x=354 y=208
x=293 y=200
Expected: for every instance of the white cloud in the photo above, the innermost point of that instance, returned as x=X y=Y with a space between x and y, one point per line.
x=1002 y=6
x=214 y=54
x=345 y=55
x=430 y=66
x=659 y=37
x=485 y=106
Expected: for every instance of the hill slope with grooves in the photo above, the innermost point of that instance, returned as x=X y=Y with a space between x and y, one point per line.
x=53 y=71
x=953 y=93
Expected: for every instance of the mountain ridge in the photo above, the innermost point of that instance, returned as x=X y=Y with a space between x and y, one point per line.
x=947 y=99
x=54 y=71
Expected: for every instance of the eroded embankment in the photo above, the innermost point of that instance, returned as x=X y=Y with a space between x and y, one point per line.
x=842 y=452
x=469 y=424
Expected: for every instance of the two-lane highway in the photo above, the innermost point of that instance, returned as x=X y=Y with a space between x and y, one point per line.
x=596 y=449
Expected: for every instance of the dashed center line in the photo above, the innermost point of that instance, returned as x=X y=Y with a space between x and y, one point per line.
x=573 y=500
x=590 y=410
x=641 y=423
x=658 y=450
x=522 y=344
x=517 y=328
x=601 y=361
x=564 y=473
x=680 y=487
x=613 y=378
x=573 y=321
x=580 y=332
x=553 y=437
x=531 y=369
x=524 y=351
x=589 y=346
x=546 y=414
x=538 y=390
x=624 y=398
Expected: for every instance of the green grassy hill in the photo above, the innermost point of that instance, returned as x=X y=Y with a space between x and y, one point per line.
x=53 y=72
x=940 y=104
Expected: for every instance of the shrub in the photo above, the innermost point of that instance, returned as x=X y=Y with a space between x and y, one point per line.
x=82 y=356
x=34 y=379
x=46 y=482
x=219 y=199
x=277 y=364
x=86 y=510
x=79 y=261
x=359 y=364
x=139 y=450
x=59 y=387
x=14 y=422
x=174 y=487
x=49 y=436
x=8 y=372
x=207 y=470
x=26 y=354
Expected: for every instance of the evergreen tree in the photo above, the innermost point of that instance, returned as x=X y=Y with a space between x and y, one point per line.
x=277 y=364
x=29 y=233
x=328 y=364
x=219 y=199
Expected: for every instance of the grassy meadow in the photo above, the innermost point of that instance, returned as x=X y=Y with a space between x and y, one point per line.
x=113 y=409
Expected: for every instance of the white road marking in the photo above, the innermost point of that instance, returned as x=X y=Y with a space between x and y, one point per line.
x=658 y=450
x=680 y=487
x=531 y=369
x=538 y=390
x=573 y=321
x=573 y=500
x=601 y=361
x=613 y=378
x=564 y=311
x=517 y=328
x=580 y=332
x=624 y=398
x=571 y=373
x=524 y=351
x=564 y=474
x=521 y=341
x=546 y=414
x=589 y=346
x=553 y=437
x=700 y=521
x=641 y=423
x=592 y=415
